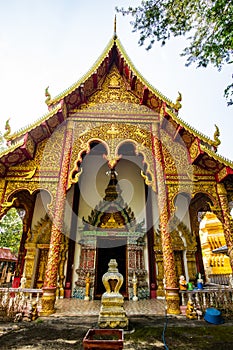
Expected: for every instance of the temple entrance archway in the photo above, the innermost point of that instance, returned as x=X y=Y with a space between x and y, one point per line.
x=112 y=206
x=110 y=248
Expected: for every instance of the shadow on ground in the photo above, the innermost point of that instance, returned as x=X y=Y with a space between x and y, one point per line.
x=144 y=333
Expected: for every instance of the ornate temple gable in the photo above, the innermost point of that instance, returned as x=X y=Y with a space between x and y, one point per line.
x=114 y=53
x=113 y=88
x=114 y=101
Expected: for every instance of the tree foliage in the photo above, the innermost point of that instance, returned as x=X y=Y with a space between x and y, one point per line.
x=11 y=228
x=206 y=24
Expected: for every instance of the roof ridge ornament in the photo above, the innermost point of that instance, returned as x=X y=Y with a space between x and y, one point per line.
x=115 y=33
x=48 y=96
x=7 y=134
x=177 y=105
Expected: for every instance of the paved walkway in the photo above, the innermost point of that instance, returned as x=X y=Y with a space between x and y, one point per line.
x=77 y=307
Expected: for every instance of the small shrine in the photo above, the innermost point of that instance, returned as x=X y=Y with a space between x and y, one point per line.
x=112 y=313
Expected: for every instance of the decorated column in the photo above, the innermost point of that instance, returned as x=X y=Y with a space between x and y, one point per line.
x=222 y=194
x=172 y=291
x=50 y=283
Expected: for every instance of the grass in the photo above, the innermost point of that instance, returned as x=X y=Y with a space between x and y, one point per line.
x=201 y=337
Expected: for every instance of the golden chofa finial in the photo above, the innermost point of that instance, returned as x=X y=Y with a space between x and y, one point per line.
x=47 y=95
x=114 y=34
x=8 y=130
x=216 y=136
x=178 y=105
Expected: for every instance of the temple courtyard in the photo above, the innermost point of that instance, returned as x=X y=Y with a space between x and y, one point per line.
x=149 y=328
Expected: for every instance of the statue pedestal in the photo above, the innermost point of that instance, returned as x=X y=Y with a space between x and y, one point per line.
x=112 y=313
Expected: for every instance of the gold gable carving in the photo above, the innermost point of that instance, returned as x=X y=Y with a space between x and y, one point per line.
x=113 y=89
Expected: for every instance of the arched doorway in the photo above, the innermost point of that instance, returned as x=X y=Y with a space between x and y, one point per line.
x=112 y=211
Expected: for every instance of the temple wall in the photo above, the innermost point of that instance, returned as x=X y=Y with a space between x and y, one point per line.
x=182 y=210
x=68 y=214
x=155 y=210
x=40 y=209
x=146 y=259
x=76 y=264
x=92 y=184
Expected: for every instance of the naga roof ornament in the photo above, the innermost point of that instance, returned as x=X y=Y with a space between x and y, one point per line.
x=47 y=95
x=217 y=141
x=8 y=130
x=178 y=105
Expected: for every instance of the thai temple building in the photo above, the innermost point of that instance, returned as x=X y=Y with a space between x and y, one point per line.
x=113 y=172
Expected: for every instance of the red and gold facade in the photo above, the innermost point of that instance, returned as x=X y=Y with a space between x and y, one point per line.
x=167 y=175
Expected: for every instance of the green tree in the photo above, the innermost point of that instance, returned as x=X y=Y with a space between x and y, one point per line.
x=11 y=228
x=206 y=24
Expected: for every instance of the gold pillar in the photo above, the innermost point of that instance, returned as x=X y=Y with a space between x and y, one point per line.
x=222 y=194
x=172 y=291
x=50 y=283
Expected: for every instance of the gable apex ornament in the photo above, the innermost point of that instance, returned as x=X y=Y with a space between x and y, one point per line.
x=114 y=32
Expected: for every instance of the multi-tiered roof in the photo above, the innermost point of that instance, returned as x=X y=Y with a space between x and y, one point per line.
x=22 y=144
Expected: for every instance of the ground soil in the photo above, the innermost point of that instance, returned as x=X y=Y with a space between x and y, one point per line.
x=143 y=333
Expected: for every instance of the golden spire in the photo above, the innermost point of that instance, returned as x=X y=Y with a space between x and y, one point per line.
x=115 y=34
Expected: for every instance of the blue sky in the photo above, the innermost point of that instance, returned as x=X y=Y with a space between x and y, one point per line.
x=54 y=42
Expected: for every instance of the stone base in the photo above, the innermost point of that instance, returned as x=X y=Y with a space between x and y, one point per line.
x=173 y=301
x=112 y=313
x=48 y=301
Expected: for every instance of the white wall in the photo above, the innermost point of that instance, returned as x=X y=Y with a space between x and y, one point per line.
x=42 y=200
